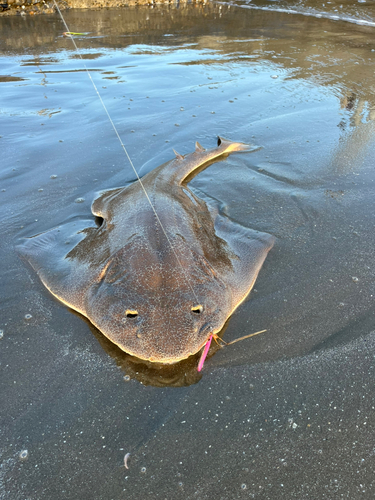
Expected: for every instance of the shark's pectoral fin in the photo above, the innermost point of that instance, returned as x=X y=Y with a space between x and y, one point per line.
x=48 y=253
x=250 y=248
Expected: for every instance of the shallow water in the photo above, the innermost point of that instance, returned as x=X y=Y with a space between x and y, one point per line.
x=286 y=414
x=358 y=11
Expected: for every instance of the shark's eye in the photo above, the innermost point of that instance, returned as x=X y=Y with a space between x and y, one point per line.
x=131 y=313
x=197 y=309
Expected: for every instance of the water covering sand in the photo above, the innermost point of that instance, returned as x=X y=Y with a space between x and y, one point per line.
x=286 y=414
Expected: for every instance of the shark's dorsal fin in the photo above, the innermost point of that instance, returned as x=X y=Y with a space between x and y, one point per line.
x=178 y=156
x=199 y=148
x=177 y=170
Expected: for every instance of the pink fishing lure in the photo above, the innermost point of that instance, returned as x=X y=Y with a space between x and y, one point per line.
x=204 y=354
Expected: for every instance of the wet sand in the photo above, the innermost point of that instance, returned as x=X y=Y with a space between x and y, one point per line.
x=287 y=414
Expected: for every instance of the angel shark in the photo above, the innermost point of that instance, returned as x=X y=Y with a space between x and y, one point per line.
x=158 y=274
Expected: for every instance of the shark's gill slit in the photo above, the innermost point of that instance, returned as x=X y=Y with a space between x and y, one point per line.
x=127 y=155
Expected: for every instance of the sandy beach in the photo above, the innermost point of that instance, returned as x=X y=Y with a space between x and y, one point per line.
x=288 y=414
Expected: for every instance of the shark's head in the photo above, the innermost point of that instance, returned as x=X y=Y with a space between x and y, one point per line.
x=156 y=308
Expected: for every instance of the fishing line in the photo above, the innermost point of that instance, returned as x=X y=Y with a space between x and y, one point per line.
x=125 y=151
x=237 y=340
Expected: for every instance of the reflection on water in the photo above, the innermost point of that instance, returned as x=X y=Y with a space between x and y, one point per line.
x=358 y=12
x=327 y=53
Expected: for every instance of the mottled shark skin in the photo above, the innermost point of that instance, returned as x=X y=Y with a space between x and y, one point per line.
x=157 y=295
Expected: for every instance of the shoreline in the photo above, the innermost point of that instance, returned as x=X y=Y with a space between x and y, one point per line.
x=36 y=7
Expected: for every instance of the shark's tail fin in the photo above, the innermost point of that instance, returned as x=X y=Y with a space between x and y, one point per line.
x=231 y=146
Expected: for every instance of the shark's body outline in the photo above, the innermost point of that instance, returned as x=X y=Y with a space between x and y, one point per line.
x=157 y=281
